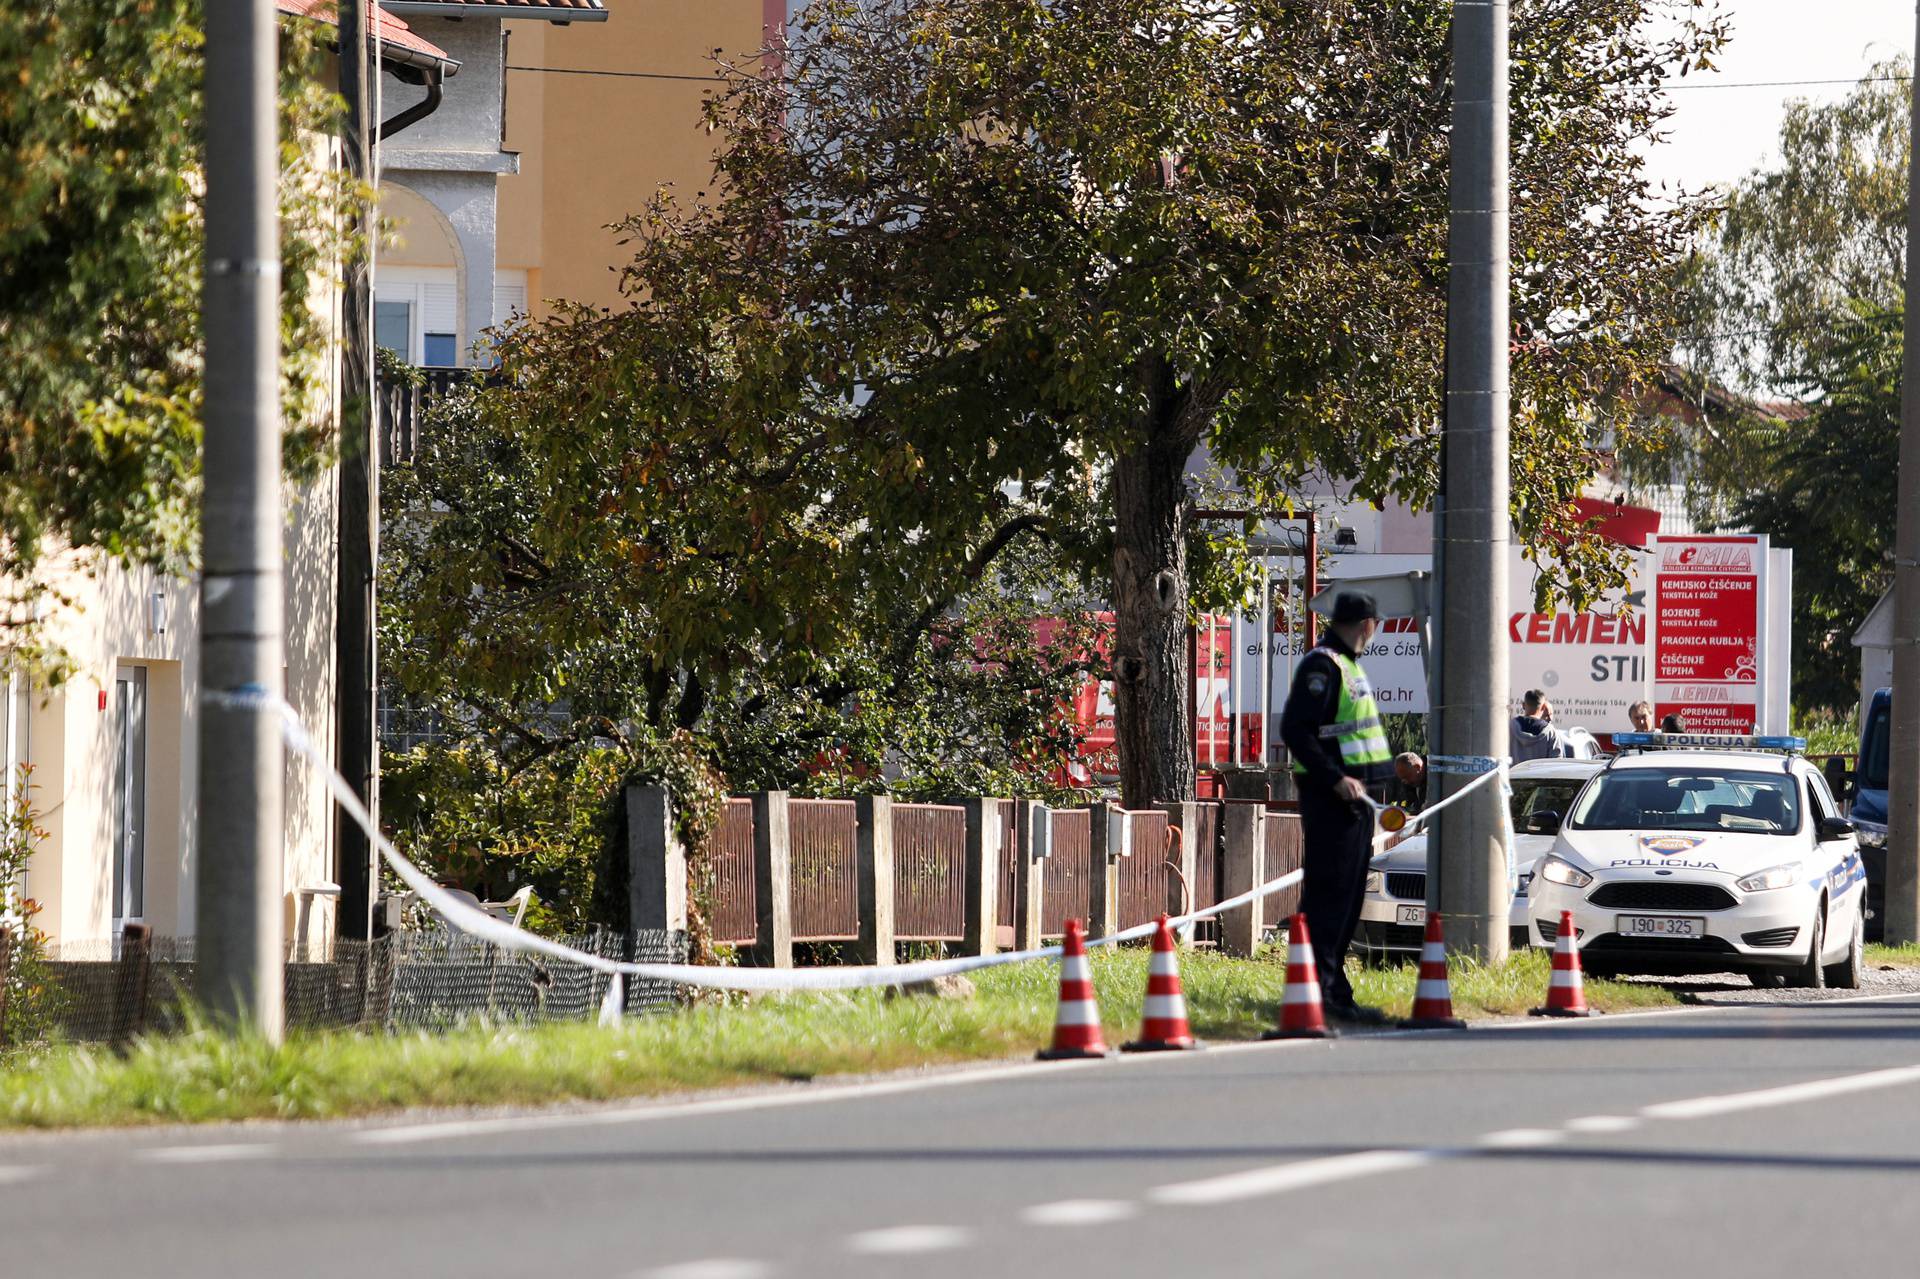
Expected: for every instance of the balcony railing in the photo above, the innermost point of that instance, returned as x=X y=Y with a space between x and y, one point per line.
x=403 y=408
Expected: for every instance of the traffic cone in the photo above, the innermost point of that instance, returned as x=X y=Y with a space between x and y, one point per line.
x=1076 y=1028
x=1163 y=1024
x=1300 y=1016
x=1433 y=996
x=1566 y=995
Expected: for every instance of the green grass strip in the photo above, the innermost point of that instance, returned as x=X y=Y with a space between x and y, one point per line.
x=203 y=1076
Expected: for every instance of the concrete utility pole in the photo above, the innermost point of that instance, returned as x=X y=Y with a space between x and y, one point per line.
x=242 y=761
x=356 y=747
x=1903 y=779
x=1473 y=541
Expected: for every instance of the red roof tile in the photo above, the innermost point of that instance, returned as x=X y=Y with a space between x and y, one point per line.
x=591 y=6
x=390 y=29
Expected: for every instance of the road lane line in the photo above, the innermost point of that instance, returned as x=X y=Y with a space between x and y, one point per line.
x=1280 y=1178
x=13 y=1176
x=1079 y=1212
x=1792 y=1094
x=1602 y=1124
x=712 y=1268
x=202 y=1154
x=1520 y=1138
x=899 y=1241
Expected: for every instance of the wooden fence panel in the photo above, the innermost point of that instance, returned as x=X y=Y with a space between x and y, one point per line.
x=929 y=872
x=825 y=898
x=1066 y=889
x=730 y=882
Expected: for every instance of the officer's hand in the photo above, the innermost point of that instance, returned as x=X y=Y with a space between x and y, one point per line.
x=1351 y=790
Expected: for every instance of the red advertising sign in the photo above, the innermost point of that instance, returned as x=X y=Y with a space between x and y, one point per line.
x=1707 y=648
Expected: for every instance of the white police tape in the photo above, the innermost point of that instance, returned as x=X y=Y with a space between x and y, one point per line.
x=476 y=922
x=1469 y=765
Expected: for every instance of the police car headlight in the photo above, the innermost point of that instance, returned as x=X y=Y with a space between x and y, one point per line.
x=1557 y=871
x=1871 y=838
x=1772 y=877
x=1376 y=881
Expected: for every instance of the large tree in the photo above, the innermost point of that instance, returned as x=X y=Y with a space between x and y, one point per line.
x=101 y=141
x=1798 y=292
x=975 y=271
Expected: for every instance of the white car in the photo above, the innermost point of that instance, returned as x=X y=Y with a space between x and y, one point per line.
x=1706 y=853
x=1393 y=915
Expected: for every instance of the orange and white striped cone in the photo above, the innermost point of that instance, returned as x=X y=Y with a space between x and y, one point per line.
x=1433 y=995
x=1163 y=1022
x=1300 y=1015
x=1076 y=1027
x=1566 y=993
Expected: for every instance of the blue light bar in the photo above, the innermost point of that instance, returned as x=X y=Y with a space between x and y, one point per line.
x=1709 y=742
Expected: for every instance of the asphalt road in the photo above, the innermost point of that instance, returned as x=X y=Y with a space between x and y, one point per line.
x=1751 y=1141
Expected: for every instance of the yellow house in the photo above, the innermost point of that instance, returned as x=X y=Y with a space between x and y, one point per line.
x=567 y=115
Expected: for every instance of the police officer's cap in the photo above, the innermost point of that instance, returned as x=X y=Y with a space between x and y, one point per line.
x=1350 y=607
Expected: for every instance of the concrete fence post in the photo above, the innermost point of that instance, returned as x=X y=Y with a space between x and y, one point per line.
x=772 y=876
x=656 y=863
x=1033 y=836
x=1104 y=826
x=1244 y=870
x=873 y=876
x=982 y=877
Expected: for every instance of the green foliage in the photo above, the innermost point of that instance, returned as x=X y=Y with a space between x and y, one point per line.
x=1828 y=732
x=28 y=998
x=461 y=813
x=1810 y=249
x=101 y=244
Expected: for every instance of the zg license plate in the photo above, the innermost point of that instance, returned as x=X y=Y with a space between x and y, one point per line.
x=1410 y=914
x=1660 y=926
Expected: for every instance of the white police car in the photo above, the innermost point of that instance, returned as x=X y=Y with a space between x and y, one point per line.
x=1393 y=914
x=1695 y=853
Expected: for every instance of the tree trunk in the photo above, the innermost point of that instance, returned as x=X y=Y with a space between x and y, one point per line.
x=1150 y=673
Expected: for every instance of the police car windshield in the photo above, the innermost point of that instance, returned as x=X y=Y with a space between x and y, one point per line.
x=1650 y=799
x=1547 y=795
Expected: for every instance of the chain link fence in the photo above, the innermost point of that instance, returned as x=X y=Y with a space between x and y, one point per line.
x=135 y=984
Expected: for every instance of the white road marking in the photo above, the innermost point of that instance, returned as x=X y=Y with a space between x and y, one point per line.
x=202 y=1154
x=1815 y=1090
x=897 y=1241
x=712 y=1268
x=12 y=1176
x=1079 y=1212
x=1602 y=1124
x=799 y=1095
x=1280 y=1178
x=1520 y=1138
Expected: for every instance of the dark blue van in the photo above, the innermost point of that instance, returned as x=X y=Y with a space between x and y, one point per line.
x=1870 y=804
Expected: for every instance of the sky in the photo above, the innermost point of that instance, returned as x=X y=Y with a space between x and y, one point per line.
x=1720 y=134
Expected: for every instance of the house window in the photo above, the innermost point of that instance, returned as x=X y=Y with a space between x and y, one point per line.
x=416 y=314
x=129 y=794
x=393 y=328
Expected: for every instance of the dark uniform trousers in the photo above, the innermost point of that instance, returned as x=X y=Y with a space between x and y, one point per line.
x=1338 y=836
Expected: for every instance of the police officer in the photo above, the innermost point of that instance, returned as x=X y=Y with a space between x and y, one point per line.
x=1340 y=755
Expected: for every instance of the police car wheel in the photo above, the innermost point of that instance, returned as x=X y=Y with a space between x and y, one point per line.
x=1845 y=975
x=1812 y=974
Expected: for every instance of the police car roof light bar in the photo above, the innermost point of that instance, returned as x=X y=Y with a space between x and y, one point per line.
x=1709 y=742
